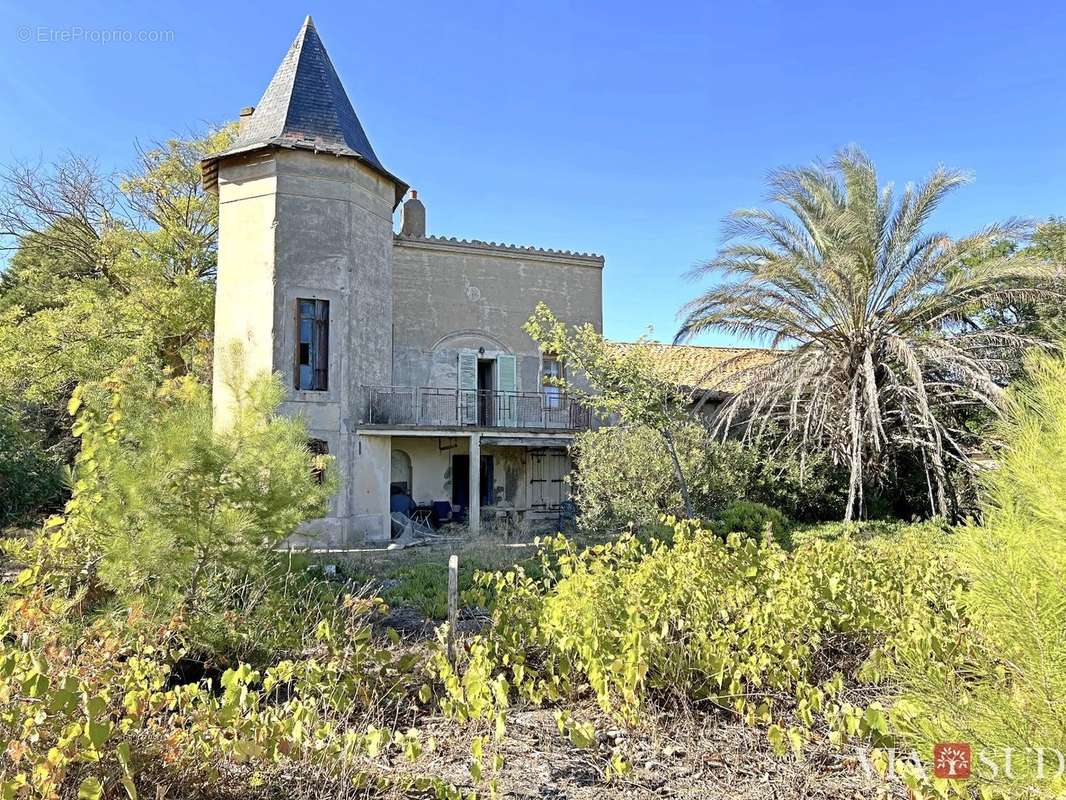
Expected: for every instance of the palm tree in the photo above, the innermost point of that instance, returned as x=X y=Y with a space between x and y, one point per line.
x=879 y=355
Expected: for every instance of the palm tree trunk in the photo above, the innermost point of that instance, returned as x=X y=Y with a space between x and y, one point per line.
x=855 y=437
x=853 y=482
x=941 y=481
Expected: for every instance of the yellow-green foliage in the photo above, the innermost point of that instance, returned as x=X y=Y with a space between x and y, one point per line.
x=163 y=558
x=1007 y=687
x=108 y=275
x=94 y=718
x=741 y=624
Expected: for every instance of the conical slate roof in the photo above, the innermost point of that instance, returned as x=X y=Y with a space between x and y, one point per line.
x=305 y=106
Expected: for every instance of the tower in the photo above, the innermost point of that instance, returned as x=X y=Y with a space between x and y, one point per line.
x=305 y=262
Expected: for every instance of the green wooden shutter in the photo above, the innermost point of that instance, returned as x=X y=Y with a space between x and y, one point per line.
x=468 y=387
x=507 y=391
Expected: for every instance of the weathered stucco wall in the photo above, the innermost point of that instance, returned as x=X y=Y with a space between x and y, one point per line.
x=334 y=227
x=369 y=488
x=431 y=467
x=295 y=224
x=449 y=296
x=244 y=291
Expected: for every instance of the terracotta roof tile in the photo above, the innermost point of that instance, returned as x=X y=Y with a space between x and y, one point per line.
x=713 y=369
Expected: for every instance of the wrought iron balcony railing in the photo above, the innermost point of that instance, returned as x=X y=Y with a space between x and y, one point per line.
x=431 y=407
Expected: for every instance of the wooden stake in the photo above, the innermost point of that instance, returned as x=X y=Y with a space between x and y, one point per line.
x=453 y=605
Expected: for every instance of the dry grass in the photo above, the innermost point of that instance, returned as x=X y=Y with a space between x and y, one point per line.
x=691 y=756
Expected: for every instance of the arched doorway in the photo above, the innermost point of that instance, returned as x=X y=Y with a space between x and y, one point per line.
x=402 y=478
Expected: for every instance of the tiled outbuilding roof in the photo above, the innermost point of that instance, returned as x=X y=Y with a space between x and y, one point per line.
x=708 y=369
x=305 y=106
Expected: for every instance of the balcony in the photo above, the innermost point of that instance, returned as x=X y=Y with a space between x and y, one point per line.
x=424 y=407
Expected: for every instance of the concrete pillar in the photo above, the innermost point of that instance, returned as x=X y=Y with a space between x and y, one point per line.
x=367 y=479
x=474 y=510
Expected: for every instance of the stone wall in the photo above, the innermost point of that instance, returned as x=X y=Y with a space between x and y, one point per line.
x=451 y=295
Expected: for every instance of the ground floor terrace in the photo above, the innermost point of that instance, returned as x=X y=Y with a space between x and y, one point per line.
x=499 y=481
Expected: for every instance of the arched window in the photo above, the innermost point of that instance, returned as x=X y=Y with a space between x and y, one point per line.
x=401 y=472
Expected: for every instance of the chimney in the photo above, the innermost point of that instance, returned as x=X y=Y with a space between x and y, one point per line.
x=246 y=114
x=413 y=221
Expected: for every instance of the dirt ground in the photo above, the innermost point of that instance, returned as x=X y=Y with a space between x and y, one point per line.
x=689 y=758
x=687 y=754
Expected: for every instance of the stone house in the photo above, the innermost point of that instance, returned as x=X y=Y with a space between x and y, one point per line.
x=404 y=351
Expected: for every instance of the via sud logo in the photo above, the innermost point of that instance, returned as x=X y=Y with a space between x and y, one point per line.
x=952 y=760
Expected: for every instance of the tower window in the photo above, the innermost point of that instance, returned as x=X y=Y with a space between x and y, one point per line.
x=312 y=345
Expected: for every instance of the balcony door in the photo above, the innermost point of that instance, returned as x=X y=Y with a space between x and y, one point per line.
x=487 y=389
x=486 y=384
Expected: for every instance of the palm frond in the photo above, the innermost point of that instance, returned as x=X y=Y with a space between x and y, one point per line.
x=884 y=352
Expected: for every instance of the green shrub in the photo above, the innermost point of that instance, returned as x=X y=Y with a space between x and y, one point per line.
x=625 y=476
x=169 y=517
x=30 y=482
x=753 y=519
x=173 y=506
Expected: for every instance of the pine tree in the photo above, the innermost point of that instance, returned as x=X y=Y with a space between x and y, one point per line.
x=1005 y=686
x=169 y=507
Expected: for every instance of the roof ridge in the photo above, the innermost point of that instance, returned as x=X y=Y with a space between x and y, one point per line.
x=740 y=348
x=501 y=246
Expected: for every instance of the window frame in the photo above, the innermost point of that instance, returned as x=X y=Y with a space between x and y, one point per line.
x=317 y=345
x=553 y=395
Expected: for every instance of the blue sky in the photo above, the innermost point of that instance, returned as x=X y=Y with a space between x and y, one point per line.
x=630 y=129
